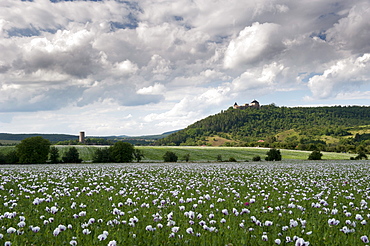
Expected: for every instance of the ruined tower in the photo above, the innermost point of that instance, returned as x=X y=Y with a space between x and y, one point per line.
x=81 y=138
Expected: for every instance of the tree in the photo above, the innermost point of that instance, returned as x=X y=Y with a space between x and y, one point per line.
x=187 y=157
x=33 y=150
x=273 y=155
x=2 y=158
x=102 y=156
x=170 y=156
x=121 y=152
x=54 y=154
x=361 y=155
x=315 y=155
x=256 y=158
x=12 y=157
x=138 y=154
x=219 y=157
x=72 y=156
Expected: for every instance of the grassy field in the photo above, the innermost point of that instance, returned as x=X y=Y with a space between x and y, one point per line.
x=153 y=153
x=201 y=154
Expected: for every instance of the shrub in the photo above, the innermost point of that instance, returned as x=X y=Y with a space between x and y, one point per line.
x=72 y=156
x=170 y=156
x=273 y=155
x=256 y=158
x=121 y=152
x=232 y=159
x=315 y=155
x=187 y=157
x=54 y=155
x=219 y=157
x=101 y=155
x=138 y=154
x=33 y=150
x=361 y=155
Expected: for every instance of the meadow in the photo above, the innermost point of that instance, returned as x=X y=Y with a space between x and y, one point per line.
x=198 y=153
x=245 y=203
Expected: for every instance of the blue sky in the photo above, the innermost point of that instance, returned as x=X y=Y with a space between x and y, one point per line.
x=148 y=67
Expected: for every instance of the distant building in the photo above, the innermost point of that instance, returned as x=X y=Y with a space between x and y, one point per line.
x=81 y=138
x=253 y=104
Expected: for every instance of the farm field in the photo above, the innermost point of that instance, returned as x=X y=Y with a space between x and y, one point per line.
x=200 y=154
x=245 y=203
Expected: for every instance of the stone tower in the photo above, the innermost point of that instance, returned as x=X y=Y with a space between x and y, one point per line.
x=81 y=138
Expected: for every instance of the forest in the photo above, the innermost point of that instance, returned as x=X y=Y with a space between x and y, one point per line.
x=336 y=129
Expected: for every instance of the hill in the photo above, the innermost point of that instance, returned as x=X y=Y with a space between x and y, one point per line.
x=11 y=139
x=338 y=128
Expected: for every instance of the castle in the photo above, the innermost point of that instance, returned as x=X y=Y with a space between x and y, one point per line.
x=253 y=104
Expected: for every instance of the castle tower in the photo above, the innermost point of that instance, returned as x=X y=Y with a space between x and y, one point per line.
x=81 y=138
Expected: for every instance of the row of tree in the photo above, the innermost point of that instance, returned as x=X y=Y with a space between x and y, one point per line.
x=314 y=128
x=37 y=150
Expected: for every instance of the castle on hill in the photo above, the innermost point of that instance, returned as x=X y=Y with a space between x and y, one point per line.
x=253 y=104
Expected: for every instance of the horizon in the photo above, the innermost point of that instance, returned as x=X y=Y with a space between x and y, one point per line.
x=133 y=136
x=145 y=67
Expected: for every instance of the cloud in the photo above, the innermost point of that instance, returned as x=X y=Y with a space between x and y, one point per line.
x=168 y=64
x=155 y=89
x=253 y=44
x=352 y=32
x=341 y=76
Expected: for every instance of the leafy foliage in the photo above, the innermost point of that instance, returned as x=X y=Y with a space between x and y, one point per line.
x=315 y=155
x=138 y=155
x=305 y=128
x=72 y=156
x=54 y=154
x=101 y=155
x=121 y=152
x=273 y=155
x=361 y=156
x=170 y=156
x=33 y=150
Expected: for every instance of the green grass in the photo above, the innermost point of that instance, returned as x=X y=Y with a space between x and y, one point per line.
x=239 y=153
x=200 y=154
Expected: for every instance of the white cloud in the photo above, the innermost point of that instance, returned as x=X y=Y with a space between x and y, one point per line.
x=341 y=76
x=167 y=64
x=353 y=31
x=155 y=89
x=253 y=44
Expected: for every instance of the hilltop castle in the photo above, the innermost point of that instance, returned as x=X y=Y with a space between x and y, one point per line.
x=253 y=104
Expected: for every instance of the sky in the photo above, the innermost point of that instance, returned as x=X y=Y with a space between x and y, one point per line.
x=152 y=66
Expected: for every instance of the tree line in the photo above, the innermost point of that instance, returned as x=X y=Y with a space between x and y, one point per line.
x=37 y=150
x=259 y=127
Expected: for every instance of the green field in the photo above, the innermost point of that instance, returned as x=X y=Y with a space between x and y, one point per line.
x=201 y=154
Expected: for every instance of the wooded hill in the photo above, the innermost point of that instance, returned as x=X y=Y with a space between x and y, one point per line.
x=338 y=128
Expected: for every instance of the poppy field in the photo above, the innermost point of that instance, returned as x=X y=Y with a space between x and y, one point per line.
x=251 y=203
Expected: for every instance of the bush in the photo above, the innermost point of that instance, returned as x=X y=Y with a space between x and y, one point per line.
x=121 y=152
x=219 y=157
x=232 y=159
x=33 y=150
x=101 y=156
x=72 y=156
x=361 y=155
x=273 y=155
x=187 y=157
x=54 y=155
x=138 y=154
x=256 y=158
x=315 y=155
x=170 y=156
